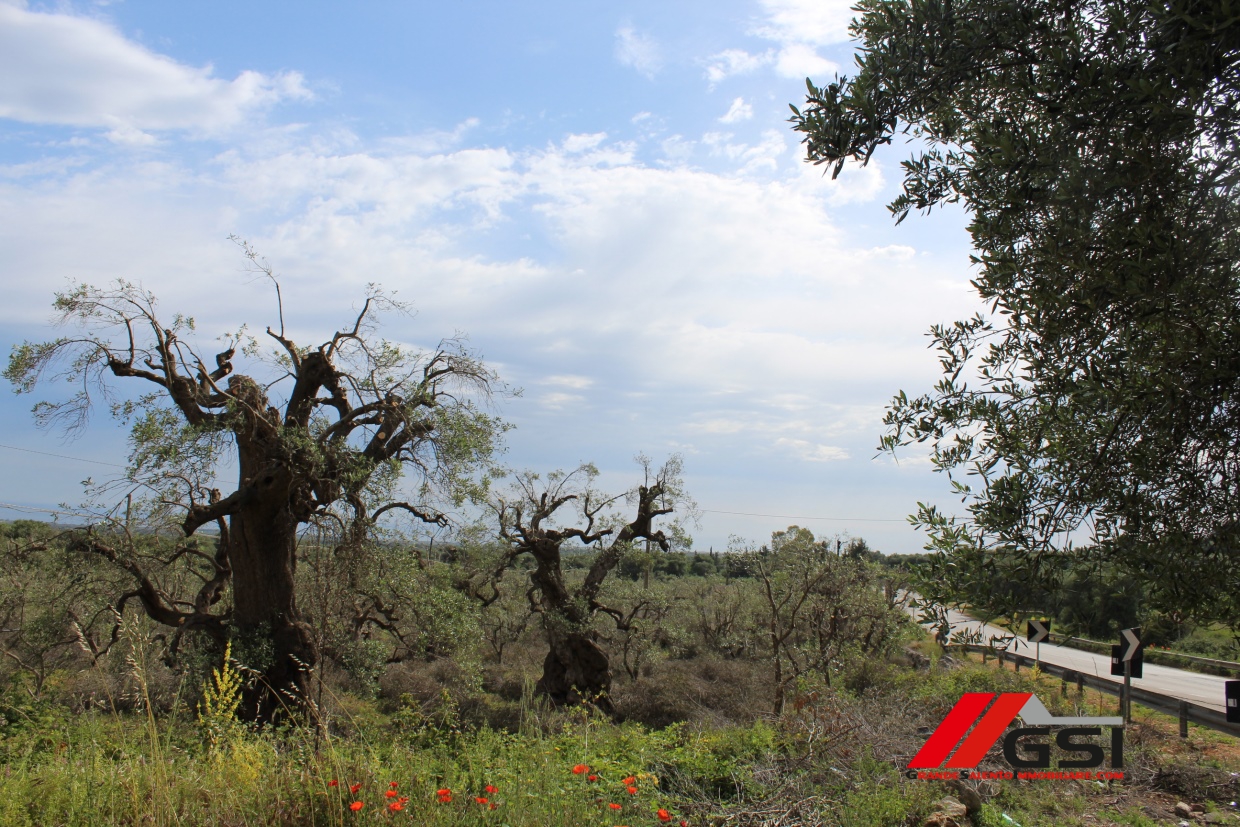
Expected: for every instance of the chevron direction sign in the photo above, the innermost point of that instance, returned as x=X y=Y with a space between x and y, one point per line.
x=978 y=721
x=1038 y=630
x=1117 y=661
x=1231 y=689
x=1130 y=639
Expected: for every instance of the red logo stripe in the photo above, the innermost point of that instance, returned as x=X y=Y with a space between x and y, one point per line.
x=988 y=730
x=944 y=739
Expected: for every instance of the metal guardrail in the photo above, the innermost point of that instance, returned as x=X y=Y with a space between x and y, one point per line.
x=1186 y=711
x=1215 y=663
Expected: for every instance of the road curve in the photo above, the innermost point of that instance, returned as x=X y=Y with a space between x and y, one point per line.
x=1206 y=690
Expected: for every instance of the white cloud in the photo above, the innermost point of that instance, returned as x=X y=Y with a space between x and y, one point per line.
x=676 y=305
x=798 y=28
x=580 y=143
x=677 y=148
x=817 y=22
x=731 y=62
x=569 y=381
x=670 y=276
x=763 y=155
x=809 y=452
x=639 y=51
x=738 y=111
x=718 y=426
x=558 y=401
x=435 y=140
x=62 y=69
x=855 y=184
x=800 y=60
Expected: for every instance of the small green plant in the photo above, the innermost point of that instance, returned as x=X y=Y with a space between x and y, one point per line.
x=221 y=698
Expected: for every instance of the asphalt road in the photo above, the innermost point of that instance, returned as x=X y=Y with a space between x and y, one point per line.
x=1206 y=690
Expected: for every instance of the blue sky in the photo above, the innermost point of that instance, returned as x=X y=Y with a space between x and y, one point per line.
x=606 y=198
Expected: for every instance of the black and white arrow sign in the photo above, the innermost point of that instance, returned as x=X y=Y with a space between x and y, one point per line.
x=1130 y=639
x=1038 y=630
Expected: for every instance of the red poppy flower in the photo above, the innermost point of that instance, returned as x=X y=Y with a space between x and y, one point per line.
x=333 y=783
x=493 y=805
x=630 y=781
x=355 y=788
x=684 y=823
x=491 y=788
x=390 y=794
x=631 y=790
x=580 y=769
x=356 y=805
x=396 y=806
x=614 y=806
x=663 y=815
x=592 y=778
x=445 y=795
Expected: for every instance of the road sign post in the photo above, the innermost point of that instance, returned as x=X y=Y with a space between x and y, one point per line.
x=1036 y=632
x=1127 y=691
x=1130 y=651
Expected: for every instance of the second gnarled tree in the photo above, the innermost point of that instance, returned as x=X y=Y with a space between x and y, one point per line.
x=531 y=518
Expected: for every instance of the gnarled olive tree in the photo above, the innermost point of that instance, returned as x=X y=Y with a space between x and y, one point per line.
x=576 y=668
x=318 y=434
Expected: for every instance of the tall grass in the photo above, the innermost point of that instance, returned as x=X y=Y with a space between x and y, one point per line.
x=835 y=761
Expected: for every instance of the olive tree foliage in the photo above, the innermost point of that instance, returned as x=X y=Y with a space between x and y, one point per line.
x=381 y=602
x=819 y=607
x=56 y=606
x=321 y=436
x=545 y=516
x=1094 y=145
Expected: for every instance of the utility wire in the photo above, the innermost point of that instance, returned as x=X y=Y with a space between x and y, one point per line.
x=704 y=510
x=35 y=510
x=791 y=517
x=61 y=456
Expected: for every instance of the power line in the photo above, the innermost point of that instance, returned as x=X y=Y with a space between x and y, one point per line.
x=30 y=509
x=791 y=517
x=61 y=456
x=704 y=510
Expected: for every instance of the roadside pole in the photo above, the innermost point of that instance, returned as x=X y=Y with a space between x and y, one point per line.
x=1126 y=702
x=1036 y=632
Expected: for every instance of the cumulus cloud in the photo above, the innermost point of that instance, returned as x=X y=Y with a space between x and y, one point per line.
x=580 y=143
x=798 y=28
x=569 y=381
x=854 y=185
x=638 y=51
x=801 y=60
x=816 y=22
x=558 y=401
x=647 y=307
x=738 y=111
x=62 y=69
x=763 y=155
x=809 y=452
x=731 y=62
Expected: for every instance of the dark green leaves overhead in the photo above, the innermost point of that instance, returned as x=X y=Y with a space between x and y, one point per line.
x=1095 y=147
